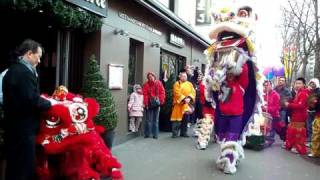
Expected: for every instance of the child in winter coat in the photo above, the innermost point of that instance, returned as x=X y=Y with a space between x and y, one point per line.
x=135 y=108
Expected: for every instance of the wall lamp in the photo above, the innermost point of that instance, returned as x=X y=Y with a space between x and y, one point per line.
x=121 y=32
x=156 y=45
x=196 y=60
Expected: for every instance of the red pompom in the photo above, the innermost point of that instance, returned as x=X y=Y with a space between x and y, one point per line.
x=116 y=174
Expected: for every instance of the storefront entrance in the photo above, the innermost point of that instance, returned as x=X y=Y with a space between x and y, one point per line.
x=61 y=48
x=170 y=65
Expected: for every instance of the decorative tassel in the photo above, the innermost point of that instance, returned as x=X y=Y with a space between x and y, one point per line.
x=250 y=45
x=211 y=49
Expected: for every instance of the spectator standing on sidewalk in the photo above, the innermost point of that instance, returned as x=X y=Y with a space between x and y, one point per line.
x=272 y=106
x=153 y=96
x=285 y=95
x=199 y=86
x=135 y=108
x=183 y=99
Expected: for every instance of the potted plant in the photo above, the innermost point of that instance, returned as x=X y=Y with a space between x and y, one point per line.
x=95 y=87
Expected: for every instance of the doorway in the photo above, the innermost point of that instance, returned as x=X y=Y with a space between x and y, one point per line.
x=16 y=27
x=135 y=75
x=62 y=61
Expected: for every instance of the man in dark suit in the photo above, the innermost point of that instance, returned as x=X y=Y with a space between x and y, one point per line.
x=22 y=106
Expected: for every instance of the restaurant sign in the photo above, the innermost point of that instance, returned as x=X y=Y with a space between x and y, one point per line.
x=176 y=40
x=96 y=6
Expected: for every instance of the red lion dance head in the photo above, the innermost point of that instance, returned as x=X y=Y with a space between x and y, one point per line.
x=71 y=147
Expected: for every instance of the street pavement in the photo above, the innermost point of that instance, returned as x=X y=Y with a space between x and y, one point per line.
x=178 y=159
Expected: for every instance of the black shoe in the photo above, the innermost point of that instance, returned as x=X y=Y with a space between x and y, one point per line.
x=155 y=137
x=185 y=135
x=146 y=136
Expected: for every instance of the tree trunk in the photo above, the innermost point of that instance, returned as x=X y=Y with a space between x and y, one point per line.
x=317 y=63
x=317 y=48
x=304 y=68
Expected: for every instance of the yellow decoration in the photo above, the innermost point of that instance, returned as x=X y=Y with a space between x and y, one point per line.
x=258 y=76
x=211 y=49
x=250 y=45
x=225 y=10
x=315 y=150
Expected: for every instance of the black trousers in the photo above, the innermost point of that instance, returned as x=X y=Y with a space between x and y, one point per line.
x=20 y=156
x=182 y=126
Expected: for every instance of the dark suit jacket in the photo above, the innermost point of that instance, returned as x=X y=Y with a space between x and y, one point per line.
x=21 y=100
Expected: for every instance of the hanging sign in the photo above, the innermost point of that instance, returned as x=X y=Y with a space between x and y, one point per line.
x=176 y=40
x=202 y=12
x=96 y=6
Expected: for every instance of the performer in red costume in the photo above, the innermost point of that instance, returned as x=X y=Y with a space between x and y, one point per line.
x=296 y=132
x=71 y=147
x=232 y=108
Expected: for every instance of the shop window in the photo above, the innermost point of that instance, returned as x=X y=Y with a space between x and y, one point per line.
x=135 y=75
x=171 y=64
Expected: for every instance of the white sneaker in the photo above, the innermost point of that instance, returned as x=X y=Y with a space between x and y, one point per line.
x=308 y=144
x=310 y=155
x=313 y=156
x=294 y=150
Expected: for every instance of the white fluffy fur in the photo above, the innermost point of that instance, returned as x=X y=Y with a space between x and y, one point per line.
x=204 y=131
x=242 y=59
x=231 y=27
x=223 y=162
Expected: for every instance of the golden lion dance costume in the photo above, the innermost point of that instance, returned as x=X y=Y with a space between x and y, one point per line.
x=314 y=102
x=233 y=83
x=70 y=145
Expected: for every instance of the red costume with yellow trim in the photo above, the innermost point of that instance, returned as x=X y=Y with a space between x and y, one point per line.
x=296 y=132
x=71 y=147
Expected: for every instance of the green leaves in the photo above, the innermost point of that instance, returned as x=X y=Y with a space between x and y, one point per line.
x=95 y=87
x=64 y=14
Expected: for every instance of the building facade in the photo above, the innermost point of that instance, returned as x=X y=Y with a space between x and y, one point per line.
x=136 y=37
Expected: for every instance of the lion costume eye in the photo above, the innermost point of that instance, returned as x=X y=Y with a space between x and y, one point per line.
x=53 y=122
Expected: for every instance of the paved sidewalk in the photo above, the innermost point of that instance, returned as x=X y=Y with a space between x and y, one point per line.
x=178 y=159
